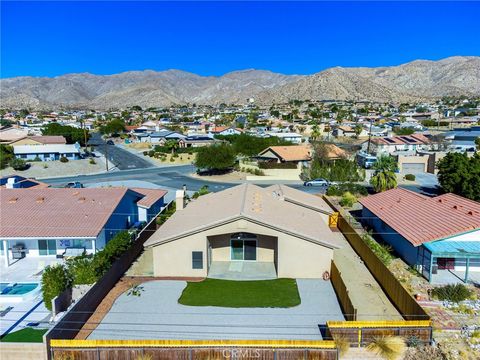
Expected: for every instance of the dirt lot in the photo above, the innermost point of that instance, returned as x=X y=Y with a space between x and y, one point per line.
x=50 y=169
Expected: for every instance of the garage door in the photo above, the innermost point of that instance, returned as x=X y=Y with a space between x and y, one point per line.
x=413 y=168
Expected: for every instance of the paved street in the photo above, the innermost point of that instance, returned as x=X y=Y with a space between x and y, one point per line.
x=122 y=159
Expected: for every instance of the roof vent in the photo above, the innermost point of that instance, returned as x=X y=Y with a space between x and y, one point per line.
x=455 y=207
x=40 y=199
x=82 y=199
x=76 y=193
x=12 y=200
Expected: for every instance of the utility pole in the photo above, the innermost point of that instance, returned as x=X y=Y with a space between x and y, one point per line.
x=106 y=155
x=369 y=137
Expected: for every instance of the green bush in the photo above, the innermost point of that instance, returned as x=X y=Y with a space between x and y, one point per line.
x=275 y=165
x=340 y=189
x=55 y=280
x=348 y=199
x=101 y=263
x=165 y=215
x=63 y=159
x=145 y=153
x=81 y=270
x=18 y=164
x=410 y=177
x=151 y=153
x=118 y=245
x=202 y=191
x=92 y=161
x=383 y=252
x=452 y=292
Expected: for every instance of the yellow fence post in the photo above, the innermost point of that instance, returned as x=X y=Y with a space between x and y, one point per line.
x=333 y=220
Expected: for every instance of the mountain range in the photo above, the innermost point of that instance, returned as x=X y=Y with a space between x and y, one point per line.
x=414 y=81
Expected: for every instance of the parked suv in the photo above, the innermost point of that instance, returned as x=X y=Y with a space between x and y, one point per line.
x=74 y=185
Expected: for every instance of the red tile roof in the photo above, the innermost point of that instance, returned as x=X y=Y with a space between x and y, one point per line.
x=421 y=219
x=151 y=196
x=53 y=212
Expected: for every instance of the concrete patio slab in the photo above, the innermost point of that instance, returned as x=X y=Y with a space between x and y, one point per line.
x=242 y=270
x=156 y=314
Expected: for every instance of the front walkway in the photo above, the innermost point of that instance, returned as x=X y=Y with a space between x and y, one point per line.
x=156 y=314
x=242 y=270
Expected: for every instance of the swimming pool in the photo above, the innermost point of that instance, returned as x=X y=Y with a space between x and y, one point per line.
x=16 y=292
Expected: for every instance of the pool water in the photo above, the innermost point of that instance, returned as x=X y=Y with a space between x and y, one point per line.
x=17 y=289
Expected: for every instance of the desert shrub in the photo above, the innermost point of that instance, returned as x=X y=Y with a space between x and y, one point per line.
x=172 y=159
x=81 y=270
x=348 y=199
x=151 y=153
x=145 y=153
x=258 y=172
x=452 y=292
x=388 y=347
x=383 y=252
x=340 y=189
x=63 y=159
x=202 y=191
x=92 y=161
x=410 y=177
x=18 y=164
x=55 y=280
x=45 y=166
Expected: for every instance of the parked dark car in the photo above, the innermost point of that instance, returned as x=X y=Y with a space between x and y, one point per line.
x=110 y=142
x=74 y=185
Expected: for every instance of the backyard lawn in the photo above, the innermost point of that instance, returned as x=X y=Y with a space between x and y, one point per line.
x=278 y=293
x=25 y=335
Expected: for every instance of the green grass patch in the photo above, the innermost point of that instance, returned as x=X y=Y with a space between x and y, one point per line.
x=25 y=335
x=280 y=293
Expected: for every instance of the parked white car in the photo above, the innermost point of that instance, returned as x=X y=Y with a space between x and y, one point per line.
x=316 y=182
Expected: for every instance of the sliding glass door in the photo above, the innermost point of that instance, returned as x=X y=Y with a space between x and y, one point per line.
x=47 y=247
x=243 y=247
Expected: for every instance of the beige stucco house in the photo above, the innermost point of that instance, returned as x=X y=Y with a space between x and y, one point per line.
x=247 y=231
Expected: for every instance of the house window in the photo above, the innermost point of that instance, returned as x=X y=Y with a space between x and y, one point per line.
x=197 y=259
x=47 y=247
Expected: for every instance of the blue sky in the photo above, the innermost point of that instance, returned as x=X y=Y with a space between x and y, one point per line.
x=212 y=38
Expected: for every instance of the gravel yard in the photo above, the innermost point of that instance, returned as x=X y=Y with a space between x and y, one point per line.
x=50 y=169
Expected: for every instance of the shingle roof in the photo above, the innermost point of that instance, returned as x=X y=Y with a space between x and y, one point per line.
x=49 y=139
x=151 y=196
x=265 y=206
x=52 y=212
x=291 y=152
x=422 y=219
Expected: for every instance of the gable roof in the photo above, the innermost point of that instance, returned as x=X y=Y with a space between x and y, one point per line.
x=290 y=152
x=53 y=212
x=268 y=207
x=47 y=148
x=49 y=139
x=421 y=219
x=151 y=196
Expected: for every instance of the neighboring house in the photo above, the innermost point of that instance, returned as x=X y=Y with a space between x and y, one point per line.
x=347 y=131
x=11 y=134
x=196 y=141
x=282 y=154
x=463 y=139
x=40 y=140
x=225 y=130
x=19 y=182
x=276 y=228
x=287 y=136
x=160 y=137
x=47 y=221
x=151 y=204
x=397 y=144
x=47 y=152
x=436 y=235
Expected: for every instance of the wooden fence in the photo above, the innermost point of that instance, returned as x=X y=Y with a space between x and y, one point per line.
x=193 y=349
x=397 y=294
x=361 y=333
x=349 y=311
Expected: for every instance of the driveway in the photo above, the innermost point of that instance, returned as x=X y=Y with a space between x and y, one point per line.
x=156 y=314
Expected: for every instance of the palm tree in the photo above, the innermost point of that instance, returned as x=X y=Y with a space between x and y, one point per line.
x=383 y=180
x=172 y=145
x=385 y=163
x=388 y=347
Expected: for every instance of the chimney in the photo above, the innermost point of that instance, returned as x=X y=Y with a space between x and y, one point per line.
x=180 y=199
